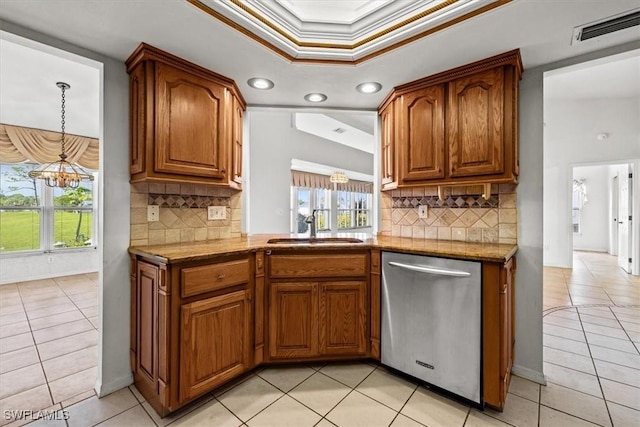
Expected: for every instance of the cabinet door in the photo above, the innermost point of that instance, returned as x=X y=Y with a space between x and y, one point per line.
x=293 y=320
x=216 y=342
x=343 y=318
x=137 y=122
x=388 y=154
x=236 y=141
x=146 y=363
x=475 y=124
x=422 y=147
x=190 y=124
x=506 y=328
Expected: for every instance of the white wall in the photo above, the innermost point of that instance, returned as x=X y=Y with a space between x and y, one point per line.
x=594 y=216
x=20 y=268
x=273 y=143
x=570 y=140
x=113 y=195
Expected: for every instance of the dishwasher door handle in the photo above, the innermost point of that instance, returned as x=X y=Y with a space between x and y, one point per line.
x=430 y=270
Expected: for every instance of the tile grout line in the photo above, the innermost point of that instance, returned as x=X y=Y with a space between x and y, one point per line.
x=74 y=303
x=44 y=373
x=604 y=398
x=625 y=332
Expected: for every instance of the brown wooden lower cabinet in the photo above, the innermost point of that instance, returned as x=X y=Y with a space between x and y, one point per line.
x=343 y=318
x=192 y=327
x=318 y=304
x=216 y=344
x=293 y=320
x=314 y=319
x=196 y=325
x=498 y=330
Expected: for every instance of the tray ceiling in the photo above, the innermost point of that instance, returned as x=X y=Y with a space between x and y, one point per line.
x=340 y=31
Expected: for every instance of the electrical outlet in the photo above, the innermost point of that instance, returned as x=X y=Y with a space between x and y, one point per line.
x=216 y=212
x=423 y=211
x=153 y=213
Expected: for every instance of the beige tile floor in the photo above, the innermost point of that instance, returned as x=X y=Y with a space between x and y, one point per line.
x=48 y=343
x=591 y=360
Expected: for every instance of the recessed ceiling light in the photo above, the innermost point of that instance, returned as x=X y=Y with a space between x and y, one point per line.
x=369 y=87
x=260 y=83
x=315 y=97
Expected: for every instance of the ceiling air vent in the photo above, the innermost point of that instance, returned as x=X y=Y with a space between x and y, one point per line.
x=339 y=130
x=609 y=25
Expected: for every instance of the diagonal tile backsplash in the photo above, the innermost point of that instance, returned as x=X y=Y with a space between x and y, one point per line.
x=183 y=213
x=463 y=215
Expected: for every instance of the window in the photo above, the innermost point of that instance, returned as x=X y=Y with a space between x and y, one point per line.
x=345 y=209
x=308 y=200
x=34 y=217
x=579 y=198
x=353 y=209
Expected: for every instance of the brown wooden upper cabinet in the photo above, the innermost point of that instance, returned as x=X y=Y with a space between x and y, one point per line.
x=186 y=121
x=455 y=127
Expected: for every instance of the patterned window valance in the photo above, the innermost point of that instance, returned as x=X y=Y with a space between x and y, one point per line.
x=313 y=180
x=19 y=144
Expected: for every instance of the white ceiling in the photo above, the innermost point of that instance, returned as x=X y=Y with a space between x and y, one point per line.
x=29 y=96
x=541 y=29
x=342 y=31
x=615 y=76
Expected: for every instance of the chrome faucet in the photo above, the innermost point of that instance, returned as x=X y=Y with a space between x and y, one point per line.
x=311 y=219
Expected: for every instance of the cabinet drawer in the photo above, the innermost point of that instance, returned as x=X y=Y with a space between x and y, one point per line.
x=321 y=265
x=206 y=278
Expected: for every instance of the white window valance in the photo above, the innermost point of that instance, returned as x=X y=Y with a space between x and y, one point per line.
x=314 y=180
x=19 y=144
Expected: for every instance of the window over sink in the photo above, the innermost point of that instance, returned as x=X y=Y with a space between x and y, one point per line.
x=336 y=210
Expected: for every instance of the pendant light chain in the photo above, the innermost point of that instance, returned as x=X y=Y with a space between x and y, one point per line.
x=61 y=173
x=63 y=155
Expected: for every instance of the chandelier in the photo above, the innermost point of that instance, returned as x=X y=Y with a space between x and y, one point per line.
x=339 y=178
x=61 y=173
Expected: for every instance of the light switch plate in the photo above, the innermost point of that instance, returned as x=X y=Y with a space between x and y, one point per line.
x=216 y=212
x=423 y=211
x=153 y=213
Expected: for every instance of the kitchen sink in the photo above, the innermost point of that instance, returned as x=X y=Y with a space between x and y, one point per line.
x=313 y=240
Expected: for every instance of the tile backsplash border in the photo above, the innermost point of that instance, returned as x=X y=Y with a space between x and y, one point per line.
x=183 y=213
x=463 y=216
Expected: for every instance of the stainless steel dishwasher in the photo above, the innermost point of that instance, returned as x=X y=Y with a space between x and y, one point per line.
x=431 y=321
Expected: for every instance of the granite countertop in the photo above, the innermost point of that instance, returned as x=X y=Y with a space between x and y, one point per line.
x=182 y=252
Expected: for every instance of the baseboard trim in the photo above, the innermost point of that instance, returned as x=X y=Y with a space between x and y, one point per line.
x=105 y=389
x=529 y=374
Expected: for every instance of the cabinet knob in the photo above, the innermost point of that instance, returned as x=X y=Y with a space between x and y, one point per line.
x=223 y=170
x=221 y=276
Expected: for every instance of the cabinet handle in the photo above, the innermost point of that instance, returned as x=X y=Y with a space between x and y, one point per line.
x=504 y=289
x=268 y=252
x=221 y=276
x=223 y=171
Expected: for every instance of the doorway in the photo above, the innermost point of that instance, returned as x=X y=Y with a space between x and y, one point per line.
x=50 y=280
